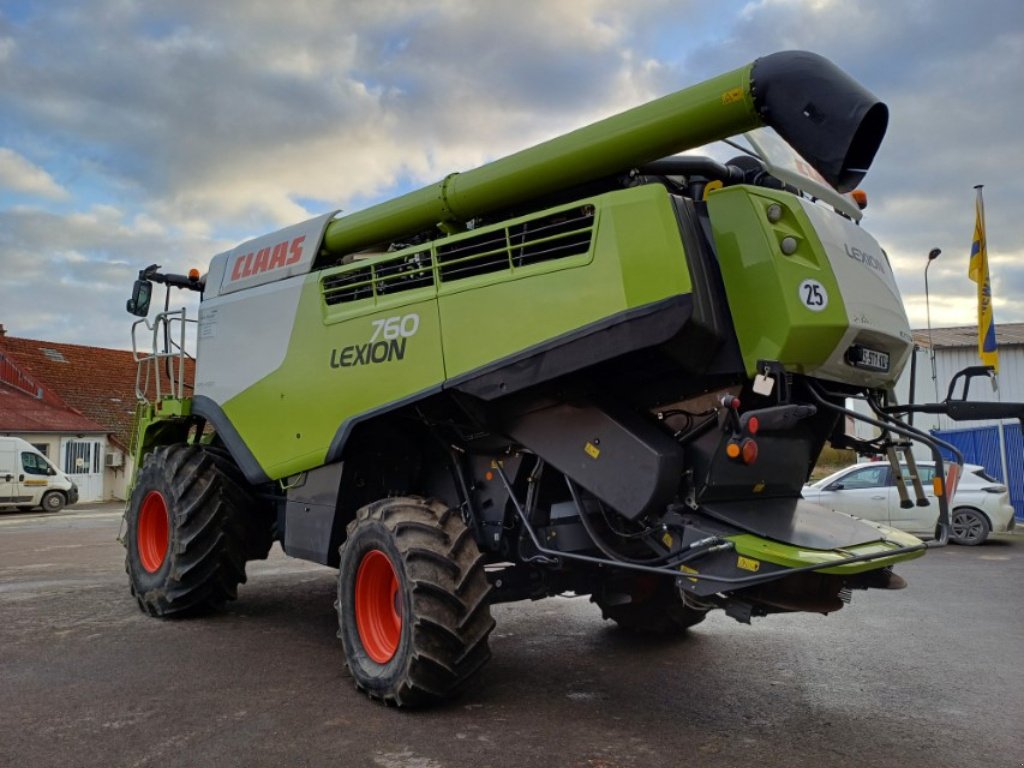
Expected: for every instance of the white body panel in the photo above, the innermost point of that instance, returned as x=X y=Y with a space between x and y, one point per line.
x=877 y=319
x=255 y=310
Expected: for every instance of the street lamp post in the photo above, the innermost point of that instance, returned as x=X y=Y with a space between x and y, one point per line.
x=933 y=254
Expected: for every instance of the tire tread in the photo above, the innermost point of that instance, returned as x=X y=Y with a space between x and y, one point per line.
x=449 y=593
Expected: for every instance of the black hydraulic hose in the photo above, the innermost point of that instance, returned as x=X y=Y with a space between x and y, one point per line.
x=608 y=551
x=910 y=432
x=552 y=556
x=684 y=165
x=556 y=554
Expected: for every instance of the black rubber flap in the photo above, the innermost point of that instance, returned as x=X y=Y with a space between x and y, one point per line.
x=794 y=521
x=828 y=117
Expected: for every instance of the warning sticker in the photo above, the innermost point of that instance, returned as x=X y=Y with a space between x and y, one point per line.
x=748 y=563
x=732 y=96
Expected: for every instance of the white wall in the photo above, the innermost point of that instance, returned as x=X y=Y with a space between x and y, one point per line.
x=36 y=438
x=115 y=480
x=949 y=361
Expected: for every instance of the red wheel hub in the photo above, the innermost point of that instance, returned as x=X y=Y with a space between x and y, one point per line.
x=153 y=532
x=378 y=606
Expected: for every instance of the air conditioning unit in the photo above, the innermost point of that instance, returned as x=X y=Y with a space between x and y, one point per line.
x=114 y=459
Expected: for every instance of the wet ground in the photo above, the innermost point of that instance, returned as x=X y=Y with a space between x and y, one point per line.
x=930 y=676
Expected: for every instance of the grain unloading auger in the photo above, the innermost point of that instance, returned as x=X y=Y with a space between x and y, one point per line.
x=587 y=367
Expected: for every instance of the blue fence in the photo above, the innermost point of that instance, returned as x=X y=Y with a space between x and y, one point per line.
x=980 y=445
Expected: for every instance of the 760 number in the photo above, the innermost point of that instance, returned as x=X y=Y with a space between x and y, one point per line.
x=395 y=327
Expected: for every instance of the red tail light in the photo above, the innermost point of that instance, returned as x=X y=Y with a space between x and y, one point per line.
x=749 y=449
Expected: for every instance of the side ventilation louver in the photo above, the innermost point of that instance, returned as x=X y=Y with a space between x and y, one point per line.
x=555 y=236
x=390 y=276
x=547 y=238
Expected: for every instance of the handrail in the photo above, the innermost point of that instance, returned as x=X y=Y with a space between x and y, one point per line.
x=164 y=351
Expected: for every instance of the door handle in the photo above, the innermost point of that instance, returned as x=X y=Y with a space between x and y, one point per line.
x=877 y=498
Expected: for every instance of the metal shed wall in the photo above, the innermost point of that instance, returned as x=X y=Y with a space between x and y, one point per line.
x=980 y=445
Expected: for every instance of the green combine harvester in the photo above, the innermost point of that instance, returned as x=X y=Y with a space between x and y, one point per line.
x=594 y=366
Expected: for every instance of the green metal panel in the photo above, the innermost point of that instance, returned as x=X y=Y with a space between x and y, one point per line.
x=637 y=259
x=751 y=546
x=337 y=367
x=763 y=284
x=288 y=419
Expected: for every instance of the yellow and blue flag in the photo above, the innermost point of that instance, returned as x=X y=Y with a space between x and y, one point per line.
x=978 y=272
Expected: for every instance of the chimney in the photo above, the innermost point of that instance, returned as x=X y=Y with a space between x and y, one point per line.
x=3 y=331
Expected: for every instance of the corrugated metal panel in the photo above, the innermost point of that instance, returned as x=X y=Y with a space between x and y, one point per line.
x=1007 y=334
x=948 y=362
x=980 y=445
x=1011 y=374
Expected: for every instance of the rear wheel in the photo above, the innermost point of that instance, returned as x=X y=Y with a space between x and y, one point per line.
x=969 y=527
x=191 y=526
x=648 y=605
x=413 y=606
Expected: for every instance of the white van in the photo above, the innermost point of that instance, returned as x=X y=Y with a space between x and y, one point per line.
x=29 y=480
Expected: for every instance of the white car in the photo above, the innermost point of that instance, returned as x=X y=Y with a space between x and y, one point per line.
x=980 y=506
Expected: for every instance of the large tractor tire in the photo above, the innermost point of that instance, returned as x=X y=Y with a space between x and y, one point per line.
x=654 y=608
x=413 y=607
x=191 y=527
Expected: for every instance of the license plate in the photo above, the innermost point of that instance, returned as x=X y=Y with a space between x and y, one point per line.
x=871 y=359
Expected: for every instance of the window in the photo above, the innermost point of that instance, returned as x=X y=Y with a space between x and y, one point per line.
x=869 y=477
x=43 y=448
x=81 y=458
x=926 y=473
x=985 y=476
x=34 y=464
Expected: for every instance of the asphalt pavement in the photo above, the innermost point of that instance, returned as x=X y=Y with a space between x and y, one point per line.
x=928 y=676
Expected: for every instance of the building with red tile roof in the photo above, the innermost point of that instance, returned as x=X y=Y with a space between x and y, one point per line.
x=58 y=395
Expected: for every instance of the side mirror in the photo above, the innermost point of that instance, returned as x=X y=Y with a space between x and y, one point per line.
x=138 y=304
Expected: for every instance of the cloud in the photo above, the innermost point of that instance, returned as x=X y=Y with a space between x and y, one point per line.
x=67 y=278
x=950 y=77
x=20 y=175
x=197 y=125
x=177 y=130
x=236 y=110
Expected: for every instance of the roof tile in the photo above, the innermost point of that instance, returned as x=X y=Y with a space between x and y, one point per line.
x=95 y=381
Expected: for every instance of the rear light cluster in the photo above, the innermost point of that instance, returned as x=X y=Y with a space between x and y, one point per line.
x=744 y=450
x=740 y=447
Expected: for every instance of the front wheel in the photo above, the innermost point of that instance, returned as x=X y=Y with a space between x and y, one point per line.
x=413 y=607
x=969 y=527
x=189 y=531
x=53 y=501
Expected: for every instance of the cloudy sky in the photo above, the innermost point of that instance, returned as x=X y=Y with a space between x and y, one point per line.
x=136 y=132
